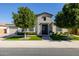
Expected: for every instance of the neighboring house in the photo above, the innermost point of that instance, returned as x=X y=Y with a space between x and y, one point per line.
x=44 y=25
x=3 y=29
x=12 y=29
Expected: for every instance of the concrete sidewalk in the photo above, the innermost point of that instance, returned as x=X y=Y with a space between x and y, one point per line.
x=39 y=44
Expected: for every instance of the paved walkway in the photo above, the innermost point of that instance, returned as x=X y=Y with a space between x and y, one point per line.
x=39 y=44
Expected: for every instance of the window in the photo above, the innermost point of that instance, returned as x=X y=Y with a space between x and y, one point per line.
x=31 y=29
x=44 y=18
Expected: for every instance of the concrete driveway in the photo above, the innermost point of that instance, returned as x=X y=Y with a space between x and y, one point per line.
x=39 y=44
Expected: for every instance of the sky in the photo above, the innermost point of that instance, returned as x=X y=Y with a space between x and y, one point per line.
x=6 y=9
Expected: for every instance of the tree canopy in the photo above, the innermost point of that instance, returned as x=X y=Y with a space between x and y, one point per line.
x=24 y=18
x=69 y=16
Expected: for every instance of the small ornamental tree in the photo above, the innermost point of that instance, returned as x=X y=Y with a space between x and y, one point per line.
x=24 y=18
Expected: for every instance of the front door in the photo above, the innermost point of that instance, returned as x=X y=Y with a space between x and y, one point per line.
x=45 y=29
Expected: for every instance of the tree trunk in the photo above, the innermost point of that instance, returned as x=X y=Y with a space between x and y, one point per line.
x=25 y=34
x=69 y=31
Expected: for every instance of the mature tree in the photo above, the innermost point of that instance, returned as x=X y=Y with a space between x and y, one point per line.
x=24 y=18
x=59 y=19
x=69 y=16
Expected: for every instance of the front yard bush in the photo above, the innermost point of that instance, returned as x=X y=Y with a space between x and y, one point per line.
x=59 y=37
x=65 y=33
x=28 y=33
x=20 y=33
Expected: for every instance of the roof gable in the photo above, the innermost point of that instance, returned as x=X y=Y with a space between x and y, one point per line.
x=50 y=15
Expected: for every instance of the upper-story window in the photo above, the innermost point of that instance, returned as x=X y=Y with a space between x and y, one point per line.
x=44 y=18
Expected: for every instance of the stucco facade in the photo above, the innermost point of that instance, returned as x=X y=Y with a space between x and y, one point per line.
x=41 y=21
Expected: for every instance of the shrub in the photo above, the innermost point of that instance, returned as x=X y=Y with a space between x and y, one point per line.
x=59 y=37
x=20 y=33
x=55 y=33
x=28 y=33
x=65 y=33
x=60 y=33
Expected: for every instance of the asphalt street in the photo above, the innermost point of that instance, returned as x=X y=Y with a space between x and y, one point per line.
x=39 y=51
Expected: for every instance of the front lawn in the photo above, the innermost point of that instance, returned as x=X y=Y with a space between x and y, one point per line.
x=22 y=38
x=74 y=37
x=35 y=38
x=14 y=38
x=54 y=37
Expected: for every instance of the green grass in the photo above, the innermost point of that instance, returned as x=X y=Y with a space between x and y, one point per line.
x=35 y=38
x=21 y=38
x=13 y=38
x=74 y=37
